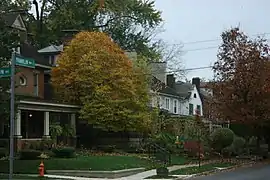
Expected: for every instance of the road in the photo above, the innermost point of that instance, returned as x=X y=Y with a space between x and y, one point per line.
x=257 y=172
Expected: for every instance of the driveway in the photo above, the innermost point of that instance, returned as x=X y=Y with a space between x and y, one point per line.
x=256 y=172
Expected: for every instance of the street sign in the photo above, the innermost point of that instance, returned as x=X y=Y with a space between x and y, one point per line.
x=5 y=72
x=25 y=62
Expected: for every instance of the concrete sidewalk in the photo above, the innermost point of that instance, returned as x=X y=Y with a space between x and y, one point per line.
x=139 y=176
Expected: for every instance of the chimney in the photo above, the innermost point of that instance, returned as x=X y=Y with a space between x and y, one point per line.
x=196 y=81
x=68 y=34
x=158 y=70
x=170 y=81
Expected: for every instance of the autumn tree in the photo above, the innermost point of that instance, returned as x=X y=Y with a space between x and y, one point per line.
x=242 y=80
x=94 y=72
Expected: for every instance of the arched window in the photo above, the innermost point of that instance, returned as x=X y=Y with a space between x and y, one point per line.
x=23 y=81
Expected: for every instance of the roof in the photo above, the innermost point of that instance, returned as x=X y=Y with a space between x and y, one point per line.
x=183 y=89
x=14 y=20
x=52 y=49
x=9 y=18
x=30 y=51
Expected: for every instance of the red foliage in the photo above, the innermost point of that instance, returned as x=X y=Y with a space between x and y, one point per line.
x=242 y=79
x=193 y=146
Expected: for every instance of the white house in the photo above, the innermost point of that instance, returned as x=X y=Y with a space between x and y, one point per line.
x=178 y=98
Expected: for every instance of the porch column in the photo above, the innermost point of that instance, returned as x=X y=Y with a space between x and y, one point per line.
x=73 y=122
x=17 y=124
x=46 y=133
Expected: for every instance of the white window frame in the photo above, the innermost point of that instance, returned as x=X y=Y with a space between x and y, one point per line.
x=167 y=100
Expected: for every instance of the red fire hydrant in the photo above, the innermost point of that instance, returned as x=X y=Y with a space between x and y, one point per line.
x=41 y=169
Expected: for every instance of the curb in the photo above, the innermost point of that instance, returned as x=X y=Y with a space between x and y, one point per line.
x=224 y=170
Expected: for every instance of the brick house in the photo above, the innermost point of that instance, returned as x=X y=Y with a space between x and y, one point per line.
x=36 y=108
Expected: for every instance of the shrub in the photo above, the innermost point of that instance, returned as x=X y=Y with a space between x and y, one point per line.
x=221 y=138
x=107 y=148
x=64 y=152
x=238 y=145
x=162 y=171
x=29 y=154
x=46 y=144
x=4 y=143
x=3 y=152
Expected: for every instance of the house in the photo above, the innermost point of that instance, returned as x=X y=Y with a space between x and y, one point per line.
x=178 y=98
x=35 y=111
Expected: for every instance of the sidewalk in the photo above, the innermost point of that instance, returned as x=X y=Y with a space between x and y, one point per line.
x=139 y=176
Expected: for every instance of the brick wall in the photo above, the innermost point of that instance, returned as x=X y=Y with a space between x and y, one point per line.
x=28 y=88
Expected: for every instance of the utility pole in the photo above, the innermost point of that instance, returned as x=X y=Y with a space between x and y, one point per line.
x=11 y=123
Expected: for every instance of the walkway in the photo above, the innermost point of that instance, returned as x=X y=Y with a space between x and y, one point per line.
x=139 y=176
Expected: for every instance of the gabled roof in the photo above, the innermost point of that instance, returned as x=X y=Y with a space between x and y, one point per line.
x=183 y=89
x=52 y=49
x=30 y=51
x=162 y=88
x=14 y=20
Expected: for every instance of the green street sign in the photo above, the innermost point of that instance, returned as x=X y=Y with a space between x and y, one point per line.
x=5 y=72
x=25 y=62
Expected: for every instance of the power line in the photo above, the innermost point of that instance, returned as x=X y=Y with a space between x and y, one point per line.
x=209 y=40
x=180 y=70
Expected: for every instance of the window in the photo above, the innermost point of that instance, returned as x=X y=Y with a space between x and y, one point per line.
x=35 y=84
x=195 y=95
x=175 y=106
x=167 y=103
x=22 y=81
x=52 y=60
x=199 y=109
x=191 y=109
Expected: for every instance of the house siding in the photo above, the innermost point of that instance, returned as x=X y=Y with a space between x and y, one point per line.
x=28 y=88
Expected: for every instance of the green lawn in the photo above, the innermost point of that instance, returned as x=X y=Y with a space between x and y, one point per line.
x=197 y=169
x=80 y=163
x=161 y=177
x=24 y=177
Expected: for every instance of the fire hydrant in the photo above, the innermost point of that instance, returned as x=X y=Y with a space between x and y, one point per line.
x=41 y=169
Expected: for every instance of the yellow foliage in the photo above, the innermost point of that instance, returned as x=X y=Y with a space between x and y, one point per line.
x=94 y=72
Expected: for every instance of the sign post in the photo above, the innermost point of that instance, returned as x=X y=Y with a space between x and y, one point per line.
x=12 y=99
x=10 y=72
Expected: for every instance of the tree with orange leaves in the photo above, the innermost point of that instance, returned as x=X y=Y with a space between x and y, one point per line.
x=242 y=80
x=94 y=72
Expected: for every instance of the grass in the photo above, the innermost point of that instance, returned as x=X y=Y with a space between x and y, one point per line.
x=5 y=176
x=197 y=169
x=97 y=163
x=161 y=177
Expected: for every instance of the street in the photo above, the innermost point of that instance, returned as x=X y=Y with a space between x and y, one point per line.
x=257 y=172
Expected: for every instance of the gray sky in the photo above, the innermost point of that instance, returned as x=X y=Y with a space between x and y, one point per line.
x=198 y=20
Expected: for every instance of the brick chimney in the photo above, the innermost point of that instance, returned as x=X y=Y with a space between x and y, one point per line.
x=68 y=34
x=170 y=81
x=196 y=81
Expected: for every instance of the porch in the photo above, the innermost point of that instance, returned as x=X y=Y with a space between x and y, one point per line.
x=33 y=120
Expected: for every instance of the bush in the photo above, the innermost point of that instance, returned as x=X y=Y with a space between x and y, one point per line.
x=162 y=171
x=46 y=144
x=221 y=138
x=64 y=152
x=3 y=152
x=107 y=148
x=29 y=154
x=4 y=143
x=238 y=145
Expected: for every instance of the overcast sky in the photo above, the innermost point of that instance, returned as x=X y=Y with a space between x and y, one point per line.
x=198 y=20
